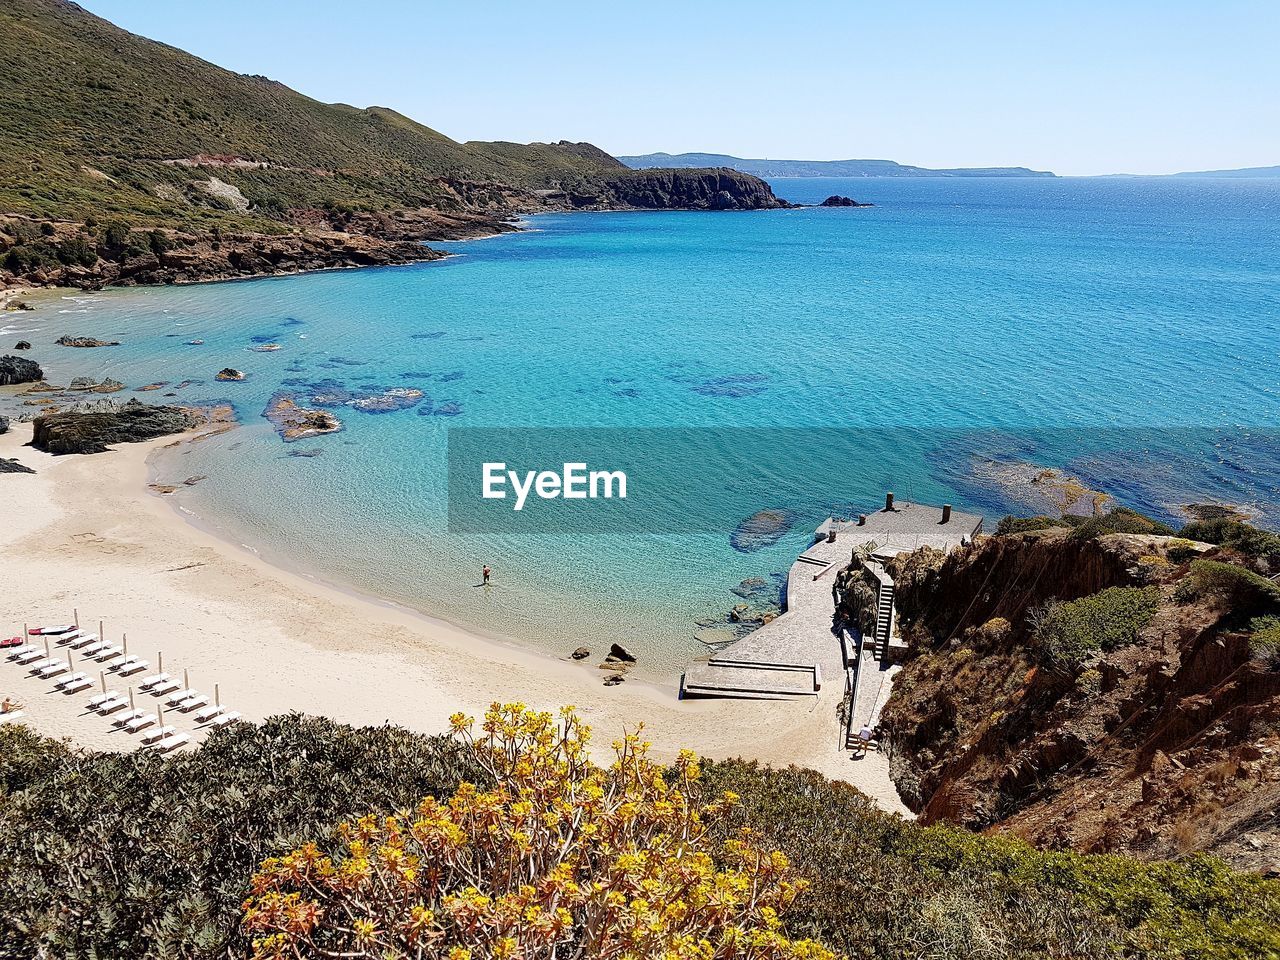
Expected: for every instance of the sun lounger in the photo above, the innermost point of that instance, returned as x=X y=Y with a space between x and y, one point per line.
x=153 y=681
x=129 y=666
x=92 y=649
x=159 y=733
x=164 y=686
x=191 y=703
x=23 y=650
x=181 y=695
x=107 y=652
x=111 y=706
x=55 y=669
x=101 y=698
x=68 y=681
x=225 y=719
x=140 y=722
x=173 y=742
x=63 y=639
x=85 y=640
x=122 y=719
x=78 y=686
x=208 y=713
x=52 y=631
x=31 y=656
x=35 y=666
x=11 y=716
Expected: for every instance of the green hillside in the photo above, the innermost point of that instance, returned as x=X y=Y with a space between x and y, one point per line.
x=94 y=118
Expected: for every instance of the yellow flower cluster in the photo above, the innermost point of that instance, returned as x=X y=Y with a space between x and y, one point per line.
x=559 y=859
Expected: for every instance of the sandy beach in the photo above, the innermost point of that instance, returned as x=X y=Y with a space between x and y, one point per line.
x=85 y=533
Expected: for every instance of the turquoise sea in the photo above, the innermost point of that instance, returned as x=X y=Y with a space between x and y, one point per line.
x=958 y=318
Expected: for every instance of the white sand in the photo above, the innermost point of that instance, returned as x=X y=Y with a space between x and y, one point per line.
x=85 y=533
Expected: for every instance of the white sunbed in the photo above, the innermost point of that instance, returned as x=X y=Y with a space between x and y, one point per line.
x=84 y=640
x=164 y=686
x=129 y=666
x=11 y=716
x=153 y=681
x=35 y=666
x=93 y=648
x=140 y=722
x=173 y=742
x=68 y=681
x=224 y=719
x=111 y=706
x=78 y=686
x=31 y=656
x=122 y=719
x=181 y=695
x=98 y=699
x=191 y=703
x=159 y=733
x=23 y=650
x=107 y=652
x=64 y=638
x=208 y=713
x=55 y=669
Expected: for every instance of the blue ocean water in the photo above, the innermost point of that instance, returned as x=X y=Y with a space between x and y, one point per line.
x=956 y=318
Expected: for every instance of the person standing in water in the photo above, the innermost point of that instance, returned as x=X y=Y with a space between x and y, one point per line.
x=485 y=572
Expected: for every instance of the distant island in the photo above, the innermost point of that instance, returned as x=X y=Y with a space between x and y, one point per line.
x=819 y=168
x=1243 y=173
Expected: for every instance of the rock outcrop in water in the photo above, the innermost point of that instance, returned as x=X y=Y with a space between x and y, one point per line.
x=19 y=370
x=296 y=422
x=92 y=431
x=713 y=189
x=70 y=341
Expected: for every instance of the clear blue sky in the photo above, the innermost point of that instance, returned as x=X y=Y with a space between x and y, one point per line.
x=1082 y=87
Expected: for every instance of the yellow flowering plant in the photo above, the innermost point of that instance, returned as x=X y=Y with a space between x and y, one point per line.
x=560 y=859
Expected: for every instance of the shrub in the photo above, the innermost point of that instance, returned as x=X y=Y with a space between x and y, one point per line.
x=1120 y=520
x=1011 y=524
x=116 y=235
x=1264 y=641
x=1068 y=633
x=158 y=242
x=1247 y=539
x=1226 y=584
x=559 y=857
x=77 y=250
x=1181 y=550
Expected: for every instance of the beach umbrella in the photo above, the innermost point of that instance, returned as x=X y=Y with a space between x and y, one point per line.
x=102 y=633
x=217 y=696
x=102 y=676
x=26 y=631
x=159 y=716
x=124 y=637
x=46 y=648
x=68 y=659
x=132 y=706
x=76 y=617
x=186 y=679
x=159 y=661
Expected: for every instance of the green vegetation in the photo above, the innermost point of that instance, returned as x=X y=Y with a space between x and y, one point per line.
x=1230 y=585
x=1264 y=641
x=101 y=123
x=1243 y=537
x=135 y=855
x=1068 y=633
x=1011 y=524
x=1121 y=520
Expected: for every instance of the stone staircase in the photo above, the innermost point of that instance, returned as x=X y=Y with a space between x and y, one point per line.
x=884 y=620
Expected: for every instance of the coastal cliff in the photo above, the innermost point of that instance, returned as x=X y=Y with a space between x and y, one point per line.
x=1101 y=693
x=127 y=161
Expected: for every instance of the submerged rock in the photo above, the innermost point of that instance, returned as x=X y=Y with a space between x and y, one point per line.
x=226 y=375
x=108 y=386
x=761 y=529
x=397 y=398
x=4 y=424
x=22 y=345
x=69 y=341
x=19 y=370
x=266 y=348
x=90 y=431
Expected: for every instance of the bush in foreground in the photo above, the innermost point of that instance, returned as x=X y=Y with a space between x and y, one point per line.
x=561 y=857
x=138 y=856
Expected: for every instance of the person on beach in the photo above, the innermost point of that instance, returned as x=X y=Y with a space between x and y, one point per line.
x=486 y=571
x=9 y=705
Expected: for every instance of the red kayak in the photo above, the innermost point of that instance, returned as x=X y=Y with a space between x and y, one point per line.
x=10 y=642
x=51 y=631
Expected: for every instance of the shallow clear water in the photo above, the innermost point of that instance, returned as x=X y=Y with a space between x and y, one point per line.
x=1000 y=306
